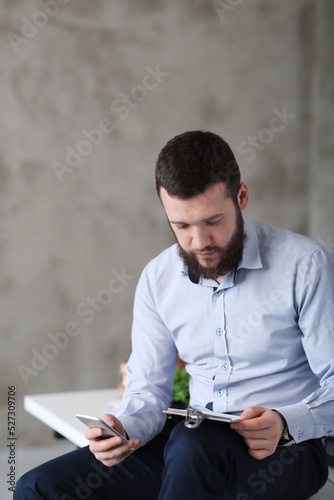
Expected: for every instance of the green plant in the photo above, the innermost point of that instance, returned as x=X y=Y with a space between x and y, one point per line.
x=181 y=384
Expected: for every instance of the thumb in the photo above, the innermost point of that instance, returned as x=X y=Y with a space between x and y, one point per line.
x=108 y=419
x=252 y=412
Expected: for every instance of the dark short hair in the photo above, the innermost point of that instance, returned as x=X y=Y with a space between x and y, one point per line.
x=193 y=161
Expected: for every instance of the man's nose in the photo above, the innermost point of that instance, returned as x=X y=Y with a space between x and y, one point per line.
x=200 y=238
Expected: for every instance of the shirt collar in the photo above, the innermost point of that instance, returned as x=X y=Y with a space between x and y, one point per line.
x=251 y=255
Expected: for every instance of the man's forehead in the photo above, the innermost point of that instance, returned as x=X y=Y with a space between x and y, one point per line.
x=211 y=202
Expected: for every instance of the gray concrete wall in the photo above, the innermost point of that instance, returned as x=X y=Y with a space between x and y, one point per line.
x=90 y=92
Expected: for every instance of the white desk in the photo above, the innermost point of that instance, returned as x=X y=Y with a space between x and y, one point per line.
x=58 y=410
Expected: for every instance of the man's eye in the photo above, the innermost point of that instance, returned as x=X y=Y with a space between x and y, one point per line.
x=212 y=223
x=182 y=226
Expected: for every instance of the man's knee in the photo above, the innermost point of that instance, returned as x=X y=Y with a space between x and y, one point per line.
x=183 y=441
x=195 y=458
x=26 y=486
x=40 y=482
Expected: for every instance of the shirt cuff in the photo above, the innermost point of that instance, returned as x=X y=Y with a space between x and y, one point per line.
x=130 y=429
x=299 y=421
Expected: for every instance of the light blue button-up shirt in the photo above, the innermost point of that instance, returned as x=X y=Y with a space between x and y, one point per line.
x=264 y=336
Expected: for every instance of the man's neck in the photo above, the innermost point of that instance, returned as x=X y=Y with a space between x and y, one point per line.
x=220 y=278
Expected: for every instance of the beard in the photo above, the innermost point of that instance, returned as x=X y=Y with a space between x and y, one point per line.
x=230 y=255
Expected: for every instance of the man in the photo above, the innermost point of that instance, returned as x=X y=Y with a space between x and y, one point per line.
x=249 y=308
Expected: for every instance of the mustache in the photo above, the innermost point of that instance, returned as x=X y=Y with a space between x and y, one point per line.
x=207 y=249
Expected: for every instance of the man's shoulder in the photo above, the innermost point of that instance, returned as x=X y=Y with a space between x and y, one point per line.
x=284 y=240
x=170 y=254
x=168 y=261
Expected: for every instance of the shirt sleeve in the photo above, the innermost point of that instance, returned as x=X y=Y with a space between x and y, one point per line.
x=150 y=367
x=313 y=417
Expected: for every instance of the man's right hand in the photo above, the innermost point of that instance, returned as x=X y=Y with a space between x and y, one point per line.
x=110 y=451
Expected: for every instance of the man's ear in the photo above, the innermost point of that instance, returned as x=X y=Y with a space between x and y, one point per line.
x=243 y=196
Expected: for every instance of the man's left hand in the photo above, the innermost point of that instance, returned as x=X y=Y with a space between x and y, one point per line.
x=261 y=428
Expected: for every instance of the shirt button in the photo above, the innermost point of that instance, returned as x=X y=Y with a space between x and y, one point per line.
x=219 y=331
x=218 y=293
x=225 y=367
x=220 y=392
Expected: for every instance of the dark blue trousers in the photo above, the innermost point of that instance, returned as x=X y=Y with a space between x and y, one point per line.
x=210 y=462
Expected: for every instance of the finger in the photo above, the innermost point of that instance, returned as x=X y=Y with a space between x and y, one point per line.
x=260 y=448
x=93 y=433
x=258 y=444
x=248 y=415
x=252 y=412
x=117 y=455
x=109 y=419
x=111 y=452
x=113 y=422
x=268 y=422
x=102 y=445
x=260 y=454
x=252 y=425
x=264 y=420
x=112 y=446
x=255 y=429
x=111 y=462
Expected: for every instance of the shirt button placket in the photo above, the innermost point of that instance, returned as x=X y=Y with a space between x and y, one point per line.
x=220 y=350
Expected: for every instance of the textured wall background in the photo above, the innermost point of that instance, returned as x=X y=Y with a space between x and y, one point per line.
x=90 y=92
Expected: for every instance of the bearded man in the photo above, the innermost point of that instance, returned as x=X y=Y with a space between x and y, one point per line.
x=249 y=308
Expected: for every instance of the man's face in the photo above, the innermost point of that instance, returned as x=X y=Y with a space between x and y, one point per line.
x=209 y=229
